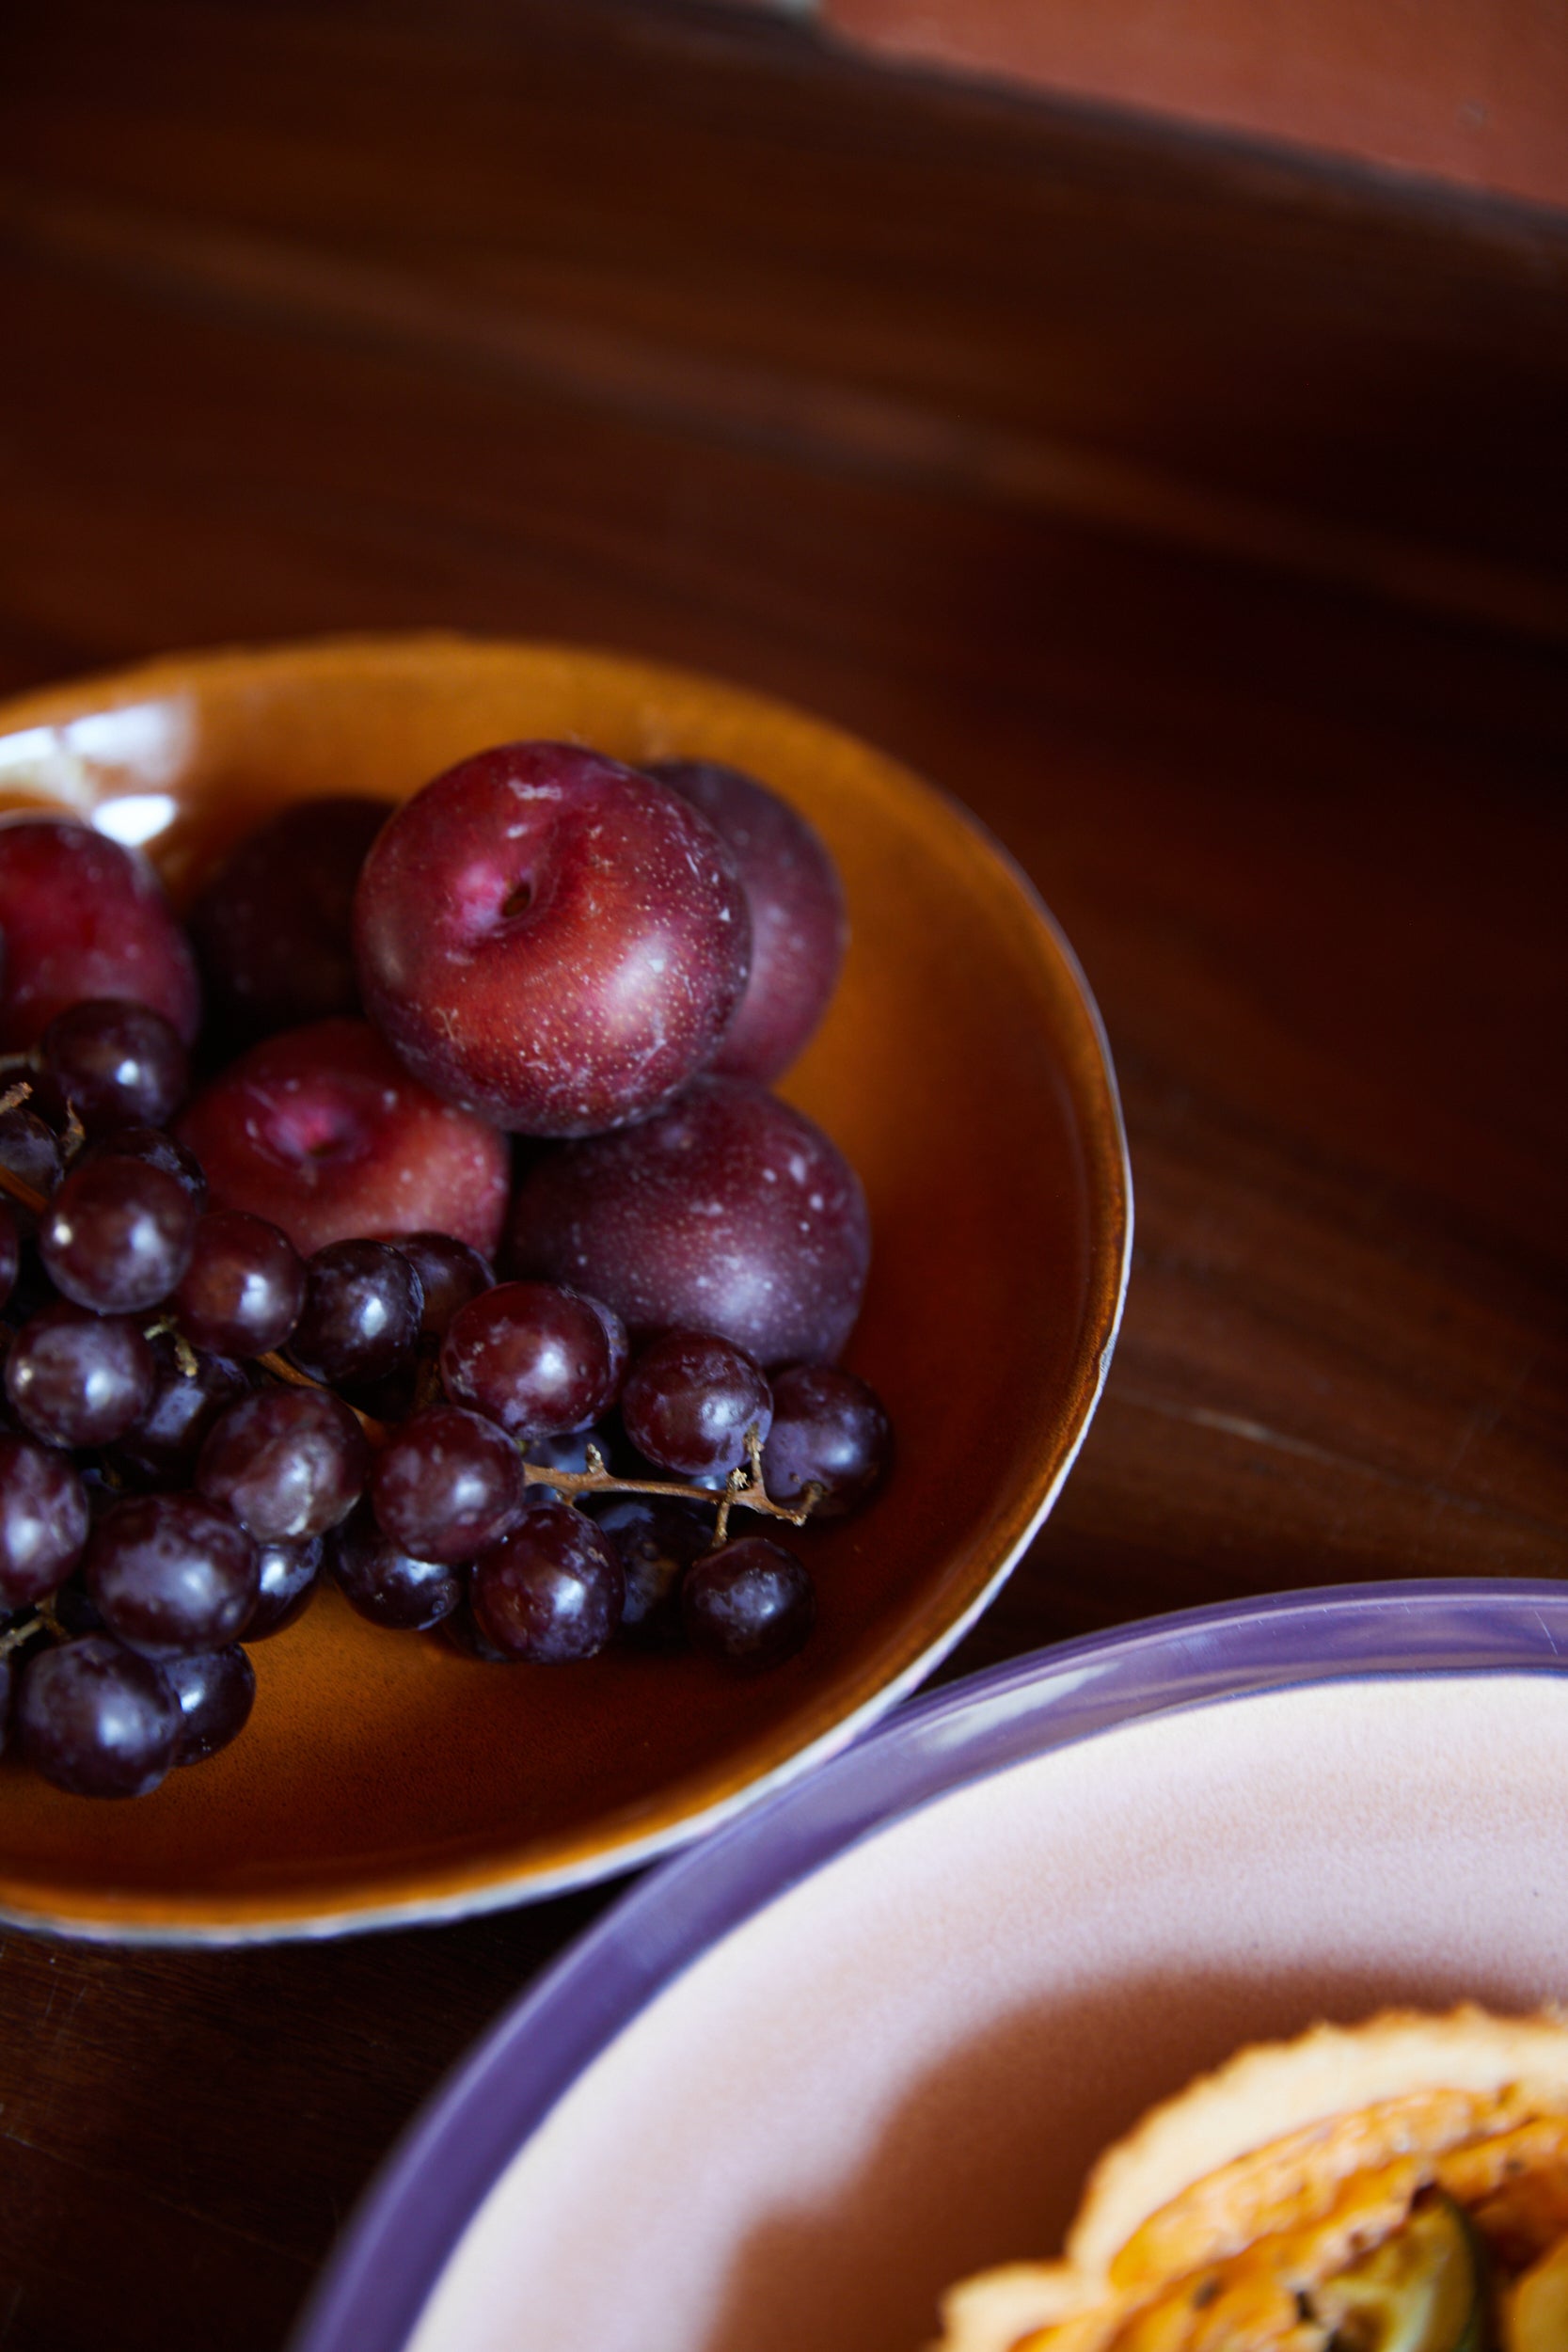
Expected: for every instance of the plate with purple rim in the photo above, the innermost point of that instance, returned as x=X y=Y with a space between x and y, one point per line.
x=868 y=2038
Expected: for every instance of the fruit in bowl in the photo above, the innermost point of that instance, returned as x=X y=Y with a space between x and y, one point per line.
x=322 y=1131
x=381 y=1779
x=544 y=938
x=551 y=938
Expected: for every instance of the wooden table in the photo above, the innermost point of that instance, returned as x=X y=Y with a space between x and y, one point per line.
x=1197 y=517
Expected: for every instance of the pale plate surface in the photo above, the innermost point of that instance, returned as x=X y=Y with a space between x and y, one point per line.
x=898 y=2071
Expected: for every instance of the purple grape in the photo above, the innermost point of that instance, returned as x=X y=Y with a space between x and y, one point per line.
x=552 y=1591
x=163 y=1448
x=155 y=1148
x=386 y=1584
x=617 y=1339
x=97 y=1719
x=798 y=932
x=461 y=1633
x=117 y=1063
x=116 y=1236
x=289 y=1578
x=30 y=1150
x=690 y=1401
x=271 y=930
x=172 y=1574
x=448 y=1486
x=656 y=1539
x=76 y=1378
x=243 y=1289
x=287 y=1462
x=728 y=1212
x=216 y=1689
x=829 y=1428
x=750 y=1604
x=360 y=1320
x=11 y=1252
x=450 y=1273
x=44 y=1521
x=535 y=1358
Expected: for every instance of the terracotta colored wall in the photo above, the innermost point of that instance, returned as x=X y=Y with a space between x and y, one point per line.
x=1472 y=91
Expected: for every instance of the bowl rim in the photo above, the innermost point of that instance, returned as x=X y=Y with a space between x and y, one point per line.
x=428 y=1892
x=412 y=2214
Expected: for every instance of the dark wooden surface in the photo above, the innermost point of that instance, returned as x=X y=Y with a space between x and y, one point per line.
x=1199 y=521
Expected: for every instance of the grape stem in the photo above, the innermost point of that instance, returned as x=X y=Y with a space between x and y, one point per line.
x=42 y=1619
x=163 y=1327
x=744 y=1485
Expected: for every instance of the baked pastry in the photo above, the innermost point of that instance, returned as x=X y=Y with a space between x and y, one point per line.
x=1396 y=2186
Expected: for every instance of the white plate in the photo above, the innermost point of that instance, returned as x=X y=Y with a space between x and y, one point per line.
x=870 y=2040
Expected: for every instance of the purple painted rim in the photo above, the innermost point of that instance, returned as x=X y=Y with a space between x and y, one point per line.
x=441 y=2171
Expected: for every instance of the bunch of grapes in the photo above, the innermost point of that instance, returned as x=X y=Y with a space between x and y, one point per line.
x=255 y=1336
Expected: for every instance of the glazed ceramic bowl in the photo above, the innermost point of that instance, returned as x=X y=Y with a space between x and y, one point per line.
x=868 y=2039
x=962 y=1068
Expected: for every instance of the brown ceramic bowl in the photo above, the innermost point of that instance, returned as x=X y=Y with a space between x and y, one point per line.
x=385 y=1779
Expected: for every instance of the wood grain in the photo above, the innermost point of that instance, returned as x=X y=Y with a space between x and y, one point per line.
x=1200 y=521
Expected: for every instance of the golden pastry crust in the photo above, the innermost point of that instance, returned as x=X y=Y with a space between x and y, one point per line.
x=1281 y=2167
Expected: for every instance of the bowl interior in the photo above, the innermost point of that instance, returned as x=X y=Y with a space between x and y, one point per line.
x=962 y=1071
x=899 y=2070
